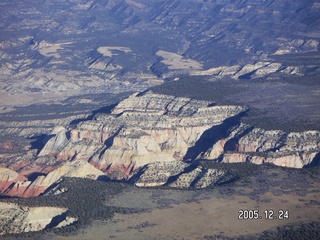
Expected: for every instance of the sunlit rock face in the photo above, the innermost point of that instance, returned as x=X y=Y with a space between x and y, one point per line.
x=9 y=177
x=144 y=128
x=149 y=127
x=296 y=149
x=141 y=129
x=13 y=184
x=151 y=139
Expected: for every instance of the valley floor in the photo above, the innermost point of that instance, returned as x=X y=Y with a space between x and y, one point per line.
x=214 y=213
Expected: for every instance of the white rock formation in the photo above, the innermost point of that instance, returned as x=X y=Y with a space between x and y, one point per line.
x=141 y=129
x=17 y=219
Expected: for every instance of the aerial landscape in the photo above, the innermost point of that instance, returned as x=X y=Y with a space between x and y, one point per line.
x=159 y=119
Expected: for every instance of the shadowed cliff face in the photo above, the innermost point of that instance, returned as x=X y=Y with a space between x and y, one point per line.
x=77 y=46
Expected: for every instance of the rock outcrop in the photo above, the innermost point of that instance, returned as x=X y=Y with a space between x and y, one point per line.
x=17 y=219
x=141 y=129
x=23 y=188
x=158 y=173
x=168 y=131
x=278 y=147
x=148 y=127
x=56 y=143
x=9 y=177
x=251 y=71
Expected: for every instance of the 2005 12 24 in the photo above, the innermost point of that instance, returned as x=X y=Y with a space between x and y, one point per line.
x=268 y=214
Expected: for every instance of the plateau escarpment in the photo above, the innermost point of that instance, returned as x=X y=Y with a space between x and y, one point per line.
x=297 y=149
x=239 y=85
x=153 y=139
x=141 y=129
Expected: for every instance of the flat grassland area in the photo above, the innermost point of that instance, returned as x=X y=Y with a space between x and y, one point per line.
x=215 y=215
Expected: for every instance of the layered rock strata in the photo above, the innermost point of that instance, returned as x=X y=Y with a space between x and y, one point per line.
x=251 y=71
x=24 y=188
x=9 y=177
x=158 y=131
x=141 y=129
x=296 y=149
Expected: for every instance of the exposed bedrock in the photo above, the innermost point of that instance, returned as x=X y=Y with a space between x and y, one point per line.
x=9 y=177
x=177 y=174
x=296 y=149
x=148 y=127
x=13 y=184
x=56 y=143
x=150 y=132
x=145 y=128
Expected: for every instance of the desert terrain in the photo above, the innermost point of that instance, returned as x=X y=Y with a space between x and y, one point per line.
x=159 y=119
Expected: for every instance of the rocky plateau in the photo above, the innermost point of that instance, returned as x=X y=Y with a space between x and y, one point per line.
x=153 y=94
x=152 y=139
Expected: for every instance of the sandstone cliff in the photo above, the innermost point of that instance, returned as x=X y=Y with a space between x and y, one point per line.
x=148 y=127
x=143 y=128
x=55 y=144
x=23 y=188
x=168 y=131
x=9 y=177
x=278 y=147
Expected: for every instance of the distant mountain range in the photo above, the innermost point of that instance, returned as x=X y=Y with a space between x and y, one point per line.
x=125 y=45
